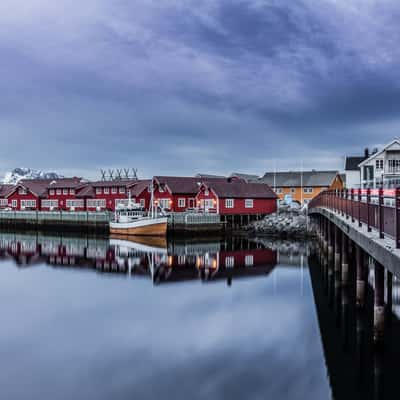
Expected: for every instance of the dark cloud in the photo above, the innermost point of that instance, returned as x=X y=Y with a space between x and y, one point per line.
x=183 y=86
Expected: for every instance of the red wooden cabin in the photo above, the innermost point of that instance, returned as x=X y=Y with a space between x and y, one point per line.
x=236 y=198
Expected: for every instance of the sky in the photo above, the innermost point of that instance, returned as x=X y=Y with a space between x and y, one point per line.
x=188 y=86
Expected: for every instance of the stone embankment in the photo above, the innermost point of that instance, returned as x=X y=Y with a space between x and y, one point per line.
x=286 y=223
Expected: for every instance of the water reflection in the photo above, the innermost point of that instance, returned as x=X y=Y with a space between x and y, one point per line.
x=155 y=258
x=358 y=367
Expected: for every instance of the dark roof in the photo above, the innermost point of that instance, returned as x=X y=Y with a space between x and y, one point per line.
x=36 y=186
x=114 y=183
x=209 y=176
x=184 y=184
x=246 y=177
x=139 y=186
x=86 y=191
x=238 y=189
x=6 y=189
x=352 y=163
x=299 y=178
x=66 y=183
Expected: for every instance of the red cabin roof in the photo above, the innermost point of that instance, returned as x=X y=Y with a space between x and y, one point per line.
x=240 y=189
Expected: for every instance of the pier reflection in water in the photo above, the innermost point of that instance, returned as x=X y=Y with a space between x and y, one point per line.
x=358 y=367
x=97 y=318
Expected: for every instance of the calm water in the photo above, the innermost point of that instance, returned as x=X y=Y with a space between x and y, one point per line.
x=98 y=318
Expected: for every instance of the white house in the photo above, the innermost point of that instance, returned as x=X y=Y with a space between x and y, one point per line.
x=382 y=168
x=352 y=170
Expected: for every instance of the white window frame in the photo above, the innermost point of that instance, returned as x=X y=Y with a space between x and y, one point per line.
x=28 y=203
x=229 y=262
x=114 y=190
x=181 y=202
x=293 y=190
x=249 y=203
x=65 y=191
x=249 y=260
x=164 y=203
x=51 y=192
x=71 y=192
x=49 y=203
x=106 y=190
x=379 y=164
x=143 y=203
x=14 y=203
x=75 y=203
x=22 y=191
x=121 y=190
x=96 y=203
x=229 y=203
x=278 y=190
x=58 y=191
x=3 y=202
x=98 y=191
x=308 y=190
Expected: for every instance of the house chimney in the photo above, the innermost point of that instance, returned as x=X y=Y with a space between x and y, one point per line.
x=366 y=152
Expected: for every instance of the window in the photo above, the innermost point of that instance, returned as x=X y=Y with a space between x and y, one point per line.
x=49 y=203
x=229 y=203
x=142 y=203
x=121 y=190
x=249 y=260
x=58 y=191
x=51 y=192
x=164 y=203
x=229 y=262
x=181 y=202
x=394 y=166
x=28 y=203
x=22 y=190
x=121 y=203
x=65 y=191
x=107 y=190
x=292 y=190
x=14 y=203
x=248 y=203
x=3 y=202
x=379 y=164
x=96 y=203
x=114 y=190
x=278 y=190
x=72 y=191
x=98 y=190
x=75 y=204
x=308 y=190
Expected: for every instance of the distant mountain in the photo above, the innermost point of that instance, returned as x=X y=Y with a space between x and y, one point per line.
x=17 y=174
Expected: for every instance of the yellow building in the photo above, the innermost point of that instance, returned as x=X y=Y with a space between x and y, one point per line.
x=302 y=186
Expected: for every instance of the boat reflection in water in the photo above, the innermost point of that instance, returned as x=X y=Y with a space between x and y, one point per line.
x=152 y=257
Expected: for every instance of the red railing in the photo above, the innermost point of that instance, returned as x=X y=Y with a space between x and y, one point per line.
x=375 y=208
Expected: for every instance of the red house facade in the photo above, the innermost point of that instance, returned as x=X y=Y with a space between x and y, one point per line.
x=236 y=198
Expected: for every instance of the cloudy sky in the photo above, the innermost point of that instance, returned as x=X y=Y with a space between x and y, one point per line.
x=186 y=86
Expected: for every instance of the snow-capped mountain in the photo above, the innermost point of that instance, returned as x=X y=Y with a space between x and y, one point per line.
x=17 y=174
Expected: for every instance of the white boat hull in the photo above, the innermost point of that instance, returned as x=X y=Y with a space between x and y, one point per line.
x=142 y=226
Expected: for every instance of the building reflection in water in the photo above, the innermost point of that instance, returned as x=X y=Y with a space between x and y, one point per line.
x=155 y=258
x=357 y=368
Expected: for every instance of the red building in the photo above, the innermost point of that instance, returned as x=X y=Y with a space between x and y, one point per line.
x=177 y=193
x=107 y=195
x=235 y=197
x=61 y=195
x=5 y=190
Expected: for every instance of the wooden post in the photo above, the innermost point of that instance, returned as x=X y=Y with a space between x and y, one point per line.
x=380 y=213
x=368 y=210
x=359 y=198
x=352 y=205
x=397 y=217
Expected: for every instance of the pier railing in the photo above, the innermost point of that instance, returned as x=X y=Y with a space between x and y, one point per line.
x=377 y=209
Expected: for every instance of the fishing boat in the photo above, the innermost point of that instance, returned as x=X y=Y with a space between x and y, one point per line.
x=134 y=220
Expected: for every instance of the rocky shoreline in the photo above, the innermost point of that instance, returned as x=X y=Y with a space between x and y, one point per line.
x=286 y=223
